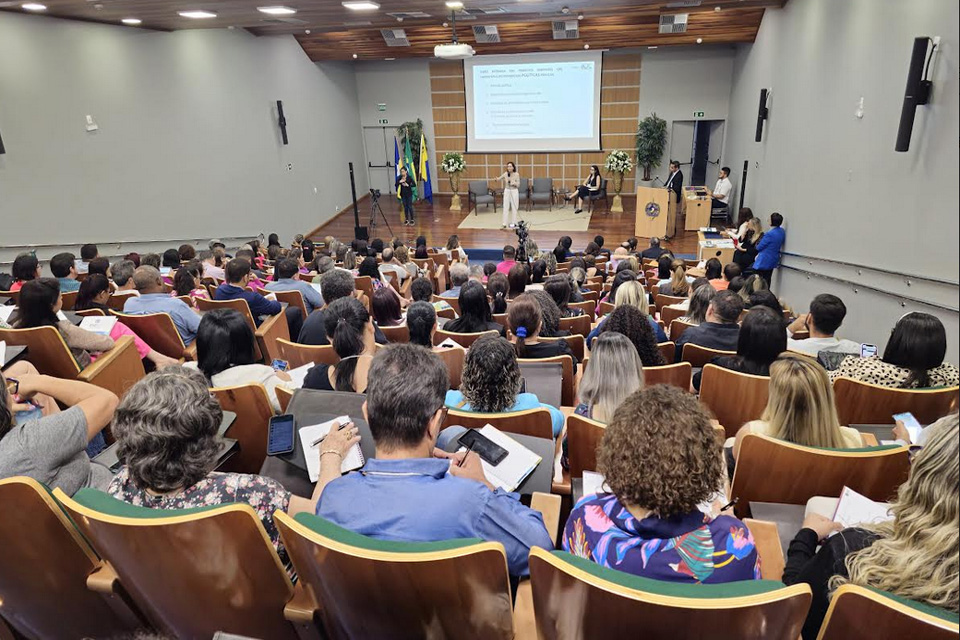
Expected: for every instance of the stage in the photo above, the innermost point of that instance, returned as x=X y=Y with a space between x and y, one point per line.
x=437 y=223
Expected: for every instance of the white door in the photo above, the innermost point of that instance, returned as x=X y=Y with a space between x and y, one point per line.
x=681 y=145
x=378 y=144
x=715 y=153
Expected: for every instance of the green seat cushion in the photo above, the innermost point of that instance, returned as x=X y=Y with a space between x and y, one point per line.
x=675 y=589
x=922 y=607
x=105 y=503
x=329 y=530
x=878 y=448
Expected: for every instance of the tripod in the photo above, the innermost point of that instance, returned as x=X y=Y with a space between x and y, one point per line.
x=375 y=209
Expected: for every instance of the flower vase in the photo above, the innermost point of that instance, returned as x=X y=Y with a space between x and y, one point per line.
x=455 y=187
x=617 y=206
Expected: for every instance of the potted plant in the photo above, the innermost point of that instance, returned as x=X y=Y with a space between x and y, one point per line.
x=453 y=165
x=651 y=143
x=617 y=164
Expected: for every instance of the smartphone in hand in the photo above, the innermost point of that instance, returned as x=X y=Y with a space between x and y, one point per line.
x=912 y=425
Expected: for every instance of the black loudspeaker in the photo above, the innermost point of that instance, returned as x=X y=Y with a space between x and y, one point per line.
x=2 y=150
x=743 y=183
x=917 y=92
x=282 y=121
x=761 y=115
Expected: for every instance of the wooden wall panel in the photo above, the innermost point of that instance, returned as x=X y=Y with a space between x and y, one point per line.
x=619 y=114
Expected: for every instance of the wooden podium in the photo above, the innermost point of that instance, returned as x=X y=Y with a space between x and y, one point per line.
x=656 y=213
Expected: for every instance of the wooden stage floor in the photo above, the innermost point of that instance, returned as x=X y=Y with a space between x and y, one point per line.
x=614 y=227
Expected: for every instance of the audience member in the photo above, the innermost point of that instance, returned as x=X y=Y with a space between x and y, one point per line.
x=414 y=492
x=285 y=279
x=64 y=268
x=664 y=267
x=719 y=331
x=386 y=309
x=550 y=313
x=186 y=282
x=631 y=323
x=351 y=332
x=133 y=257
x=492 y=380
x=391 y=265
x=746 y=246
x=714 y=274
x=654 y=251
x=822 y=321
x=615 y=372
x=422 y=324
x=150 y=260
x=526 y=319
x=475 y=313
x=459 y=274
x=517 y=279
x=678 y=284
x=498 y=288
x=509 y=259
x=765 y=299
x=153 y=299
x=453 y=244
x=914 y=556
x=538 y=272
x=632 y=294
x=87 y=253
x=235 y=288
x=768 y=249
x=335 y=285
x=913 y=358
x=760 y=341
x=214 y=262
x=700 y=300
x=649 y=523
x=558 y=288
x=489 y=268
x=751 y=285
x=187 y=252
x=25 y=267
x=100 y=266
x=736 y=285
x=122 y=273
x=169 y=263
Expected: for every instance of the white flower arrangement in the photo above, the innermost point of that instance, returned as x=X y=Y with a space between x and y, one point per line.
x=618 y=162
x=453 y=162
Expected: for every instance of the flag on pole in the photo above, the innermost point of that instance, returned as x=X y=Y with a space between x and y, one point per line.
x=408 y=164
x=396 y=164
x=423 y=175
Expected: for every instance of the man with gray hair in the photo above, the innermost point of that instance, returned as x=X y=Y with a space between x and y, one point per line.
x=459 y=274
x=335 y=284
x=654 y=251
x=390 y=267
x=153 y=299
x=122 y=273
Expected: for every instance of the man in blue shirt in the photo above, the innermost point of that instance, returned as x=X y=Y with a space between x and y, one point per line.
x=285 y=272
x=153 y=299
x=720 y=331
x=768 y=249
x=459 y=274
x=413 y=492
x=64 y=269
x=238 y=274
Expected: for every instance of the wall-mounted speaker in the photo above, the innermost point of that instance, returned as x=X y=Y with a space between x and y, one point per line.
x=281 y=121
x=917 y=91
x=761 y=115
x=2 y=150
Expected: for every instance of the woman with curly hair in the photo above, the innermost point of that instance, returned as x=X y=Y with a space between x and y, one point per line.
x=630 y=322
x=915 y=555
x=632 y=294
x=648 y=523
x=550 y=314
x=492 y=380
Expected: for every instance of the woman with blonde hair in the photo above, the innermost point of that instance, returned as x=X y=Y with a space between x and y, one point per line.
x=630 y=293
x=915 y=555
x=746 y=244
x=800 y=408
x=677 y=285
x=615 y=372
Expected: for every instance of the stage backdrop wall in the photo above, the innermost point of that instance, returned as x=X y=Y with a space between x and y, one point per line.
x=619 y=95
x=188 y=144
x=845 y=193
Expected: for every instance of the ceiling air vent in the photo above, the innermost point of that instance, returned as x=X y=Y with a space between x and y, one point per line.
x=673 y=23
x=483 y=11
x=682 y=4
x=486 y=34
x=284 y=21
x=409 y=15
x=395 y=37
x=358 y=23
x=566 y=29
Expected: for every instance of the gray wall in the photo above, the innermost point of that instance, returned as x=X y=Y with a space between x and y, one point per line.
x=188 y=143
x=846 y=194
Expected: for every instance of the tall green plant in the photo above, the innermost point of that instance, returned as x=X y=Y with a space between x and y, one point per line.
x=411 y=131
x=651 y=142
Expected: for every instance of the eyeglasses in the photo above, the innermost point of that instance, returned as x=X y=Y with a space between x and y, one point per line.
x=13 y=386
x=443 y=414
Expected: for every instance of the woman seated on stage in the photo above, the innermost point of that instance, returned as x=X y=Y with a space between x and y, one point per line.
x=589 y=187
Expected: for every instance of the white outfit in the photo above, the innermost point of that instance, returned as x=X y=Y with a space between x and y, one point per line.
x=511 y=198
x=723 y=189
x=813 y=346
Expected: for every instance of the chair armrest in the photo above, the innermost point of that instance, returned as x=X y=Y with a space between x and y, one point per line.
x=869 y=440
x=524 y=618
x=103 y=579
x=115 y=370
x=268 y=332
x=548 y=505
x=767 y=539
x=190 y=353
x=302 y=609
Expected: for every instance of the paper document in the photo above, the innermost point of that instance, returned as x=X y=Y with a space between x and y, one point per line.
x=3 y=352
x=102 y=325
x=512 y=470
x=593 y=483
x=6 y=311
x=854 y=509
x=309 y=435
x=298 y=375
x=62 y=316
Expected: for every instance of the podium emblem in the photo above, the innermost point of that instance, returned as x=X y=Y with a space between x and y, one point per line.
x=652 y=210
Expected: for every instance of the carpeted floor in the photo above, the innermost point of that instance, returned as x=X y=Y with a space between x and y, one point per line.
x=540 y=219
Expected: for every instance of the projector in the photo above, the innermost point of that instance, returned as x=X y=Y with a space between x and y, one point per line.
x=454 y=51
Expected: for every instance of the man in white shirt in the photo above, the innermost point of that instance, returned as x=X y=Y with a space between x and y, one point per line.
x=721 y=192
x=825 y=317
x=391 y=267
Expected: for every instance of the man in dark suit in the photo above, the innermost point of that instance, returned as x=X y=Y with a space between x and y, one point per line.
x=720 y=331
x=675 y=180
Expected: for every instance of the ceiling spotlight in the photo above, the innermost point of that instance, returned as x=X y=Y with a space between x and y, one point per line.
x=197 y=14
x=454 y=4
x=565 y=10
x=699 y=40
x=579 y=16
x=653 y=47
x=277 y=11
x=586 y=46
x=132 y=21
x=355 y=56
x=361 y=5
x=717 y=9
x=33 y=6
x=307 y=32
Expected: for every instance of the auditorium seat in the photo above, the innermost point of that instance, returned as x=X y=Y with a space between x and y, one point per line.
x=365 y=285
x=237 y=304
x=576 y=342
x=862 y=613
x=45 y=563
x=662 y=301
x=192 y=572
x=583 y=438
x=90 y=312
x=734 y=398
x=587 y=307
x=668 y=350
x=577 y=324
x=678 y=375
x=577 y=598
x=270 y=331
x=252 y=405
x=865 y=403
x=453 y=302
x=453 y=358
x=399 y=333
x=68 y=299
x=771 y=470
x=465 y=340
x=297 y=354
x=605 y=309
x=568 y=389
x=284 y=396
x=677 y=327
x=699 y=356
x=159 y=331
x=293 y=298
x=531 y=422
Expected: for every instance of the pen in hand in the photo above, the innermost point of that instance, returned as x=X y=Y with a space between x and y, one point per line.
x=464 y=458
x=320 y=439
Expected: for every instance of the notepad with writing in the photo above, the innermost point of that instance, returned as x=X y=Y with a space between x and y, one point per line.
x=593 y=483
x=310 y=434
x=854 y=509
x=102 y=325
x=512 y=470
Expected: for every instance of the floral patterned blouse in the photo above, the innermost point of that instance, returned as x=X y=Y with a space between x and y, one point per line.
x=265 y=495
x=690 y=548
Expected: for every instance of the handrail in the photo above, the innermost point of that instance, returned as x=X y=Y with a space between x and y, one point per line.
x=912 y=276
x=859 y=285
x=118 y=242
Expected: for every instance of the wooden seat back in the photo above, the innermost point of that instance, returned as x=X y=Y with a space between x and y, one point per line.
x=889 y=617
x=68 y=299
x=678 y=375
x=677 y=327
x=568 y=389
x=237 y=304
x=770 y=470
x=699 y=356
x=399 y=333
x=465 y=340
x=735 y=398
x=576 y=598
x=364 y=284
x=662 y=300
x=13 y=295
x=45 y=564
x=668 y=315
x=117 y=300
x=86 y=313
x=501 y=319
x=668 y=350
x=366 y=588
x=606 y=308
x=46 y=350
x=191 y=572
x=297 y=354
x=864 y=403
x=583 y=439
x=159 y=331
x=252 y=405
x=284 y=396
x=577 y=324
x=271 y=330
x=453 y=302
x=453 y=358
x=576 y=342
x=293 y=298
x=587 y=307
x=532 y=422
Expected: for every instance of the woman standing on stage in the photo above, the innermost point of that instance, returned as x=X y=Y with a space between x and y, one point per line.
x=511 y=194
x=590 y=185
x=406 y=183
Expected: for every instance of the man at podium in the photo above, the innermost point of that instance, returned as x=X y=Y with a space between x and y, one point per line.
x=675 y=181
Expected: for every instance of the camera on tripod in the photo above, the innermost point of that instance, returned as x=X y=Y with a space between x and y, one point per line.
x=522 y=233
x=375 y=193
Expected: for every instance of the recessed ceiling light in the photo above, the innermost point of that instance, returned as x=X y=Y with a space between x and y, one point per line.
x=34 y=6
x=361 y=5
x=699 y=40
x=653 y=47
x=132 y=21
x=717 y=8
x=389 y=59
x=355 y=56
x=454 y=4
x=277 y=11
x=586 y=46
x=197 y=14
x=307 y=32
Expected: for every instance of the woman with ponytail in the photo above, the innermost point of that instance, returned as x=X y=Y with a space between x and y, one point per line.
x=351 y=332
x=498 y=289
x=677 y=285
x=526 y=321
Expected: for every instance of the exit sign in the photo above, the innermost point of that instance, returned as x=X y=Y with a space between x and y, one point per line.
x=382 y=121
x=381 y=106
x=698 y=114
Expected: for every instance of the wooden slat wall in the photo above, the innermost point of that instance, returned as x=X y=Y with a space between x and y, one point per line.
x=619 y=114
